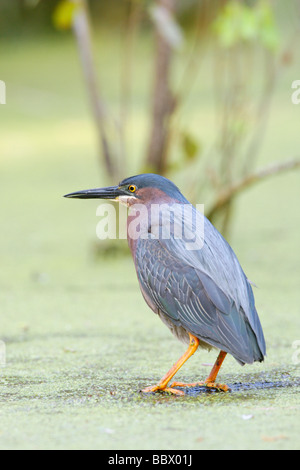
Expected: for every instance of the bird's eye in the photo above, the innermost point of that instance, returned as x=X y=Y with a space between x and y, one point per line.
x=132 y=188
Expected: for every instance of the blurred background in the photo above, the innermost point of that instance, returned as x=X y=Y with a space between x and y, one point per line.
x=197 y=90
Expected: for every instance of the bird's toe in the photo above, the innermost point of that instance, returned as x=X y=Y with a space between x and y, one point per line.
x=211 y=385
x=217 y=386
x=158 y=388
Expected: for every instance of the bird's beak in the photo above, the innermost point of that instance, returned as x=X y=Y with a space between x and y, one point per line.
x=111 y=192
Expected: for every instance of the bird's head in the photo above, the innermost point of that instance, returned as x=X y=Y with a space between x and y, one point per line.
x=143 y=189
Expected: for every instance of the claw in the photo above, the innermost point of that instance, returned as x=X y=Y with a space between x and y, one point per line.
x=157 y=388
x=217 y=386
x=220 y=387
x=162 y=386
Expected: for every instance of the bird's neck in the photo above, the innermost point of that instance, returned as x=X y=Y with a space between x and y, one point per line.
x=145 y=218
x=138 y=224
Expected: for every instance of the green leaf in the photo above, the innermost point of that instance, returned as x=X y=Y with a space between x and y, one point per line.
x=63 y=15
x=269 y=34
x=226 y=26
x=190 y=146
x=238 y=22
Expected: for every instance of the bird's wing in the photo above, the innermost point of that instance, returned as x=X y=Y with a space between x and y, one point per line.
x=201 y=287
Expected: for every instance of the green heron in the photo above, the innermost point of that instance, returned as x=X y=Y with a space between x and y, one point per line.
x=195 y=285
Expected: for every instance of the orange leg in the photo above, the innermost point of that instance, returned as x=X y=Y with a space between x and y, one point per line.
x=162 y=385
x=211 y=379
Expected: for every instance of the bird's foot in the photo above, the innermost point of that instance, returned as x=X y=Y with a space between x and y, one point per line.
x=160 y=388
x=213 y=385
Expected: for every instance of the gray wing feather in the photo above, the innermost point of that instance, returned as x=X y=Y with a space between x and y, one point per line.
x=203 y=289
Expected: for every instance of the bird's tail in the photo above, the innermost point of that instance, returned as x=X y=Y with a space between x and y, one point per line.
x=258 y=353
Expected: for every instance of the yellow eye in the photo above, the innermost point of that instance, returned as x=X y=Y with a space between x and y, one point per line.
x=132 y=188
